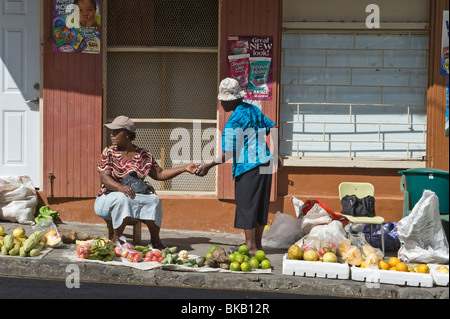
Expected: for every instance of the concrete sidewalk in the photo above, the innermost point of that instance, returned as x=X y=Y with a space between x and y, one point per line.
x=54 y=264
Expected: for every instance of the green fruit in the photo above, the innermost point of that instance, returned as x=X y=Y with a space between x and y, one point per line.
x=243 y=249
x=254 y=263
x=238 y=257
x=245 y=266
x=260 y=255
x=232 y=257
x=265 y=264
x=208 y=255
x=235 y=266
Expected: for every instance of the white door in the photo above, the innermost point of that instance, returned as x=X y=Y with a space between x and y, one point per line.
x=19 y=89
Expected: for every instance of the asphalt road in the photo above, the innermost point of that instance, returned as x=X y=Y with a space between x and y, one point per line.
x=31 y=288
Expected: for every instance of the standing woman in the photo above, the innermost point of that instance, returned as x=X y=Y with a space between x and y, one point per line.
x=119 y=203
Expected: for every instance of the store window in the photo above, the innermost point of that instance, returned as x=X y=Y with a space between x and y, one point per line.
x=354 y=93
x=162 y=62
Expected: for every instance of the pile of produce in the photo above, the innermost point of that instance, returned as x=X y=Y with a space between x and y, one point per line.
x=171 y=257
x=46 y=212
x=237 y=261
x=314 y=250
x=96 y=249
x=18 y=244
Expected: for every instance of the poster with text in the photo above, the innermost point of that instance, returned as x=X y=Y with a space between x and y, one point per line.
x=77 y=26
x=446 y=109
x=444 y=46
x=250 y=62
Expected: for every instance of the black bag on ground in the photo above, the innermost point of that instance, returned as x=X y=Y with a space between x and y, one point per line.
x=137 y=184
x=358 y=207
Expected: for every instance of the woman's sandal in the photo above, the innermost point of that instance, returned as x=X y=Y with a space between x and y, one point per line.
x=159 y=246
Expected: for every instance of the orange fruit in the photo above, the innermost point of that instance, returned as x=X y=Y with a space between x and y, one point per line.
x=401 y=267
x=393 y=268
x=423 y=269
x=393 y=261
x=383 y=265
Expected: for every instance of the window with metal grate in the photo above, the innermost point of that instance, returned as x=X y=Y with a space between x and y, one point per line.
x=161 y=71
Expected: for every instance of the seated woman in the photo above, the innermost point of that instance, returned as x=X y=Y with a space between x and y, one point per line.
x=119 y=203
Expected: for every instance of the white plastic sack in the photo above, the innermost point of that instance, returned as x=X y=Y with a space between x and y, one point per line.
x=314 y=217
x=334 y=231
x=421 y=234
x=18 y=199
x=284 y=232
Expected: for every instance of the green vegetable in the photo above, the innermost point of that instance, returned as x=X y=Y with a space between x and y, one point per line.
x=46 y=212
x=15 y=250
x=8 y=243
x=35 y=251
x=32 y=241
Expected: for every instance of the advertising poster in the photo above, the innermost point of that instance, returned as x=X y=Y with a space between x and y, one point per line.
x=250 y=62
x=446 y=110
x=444 y=46
x=77 y=26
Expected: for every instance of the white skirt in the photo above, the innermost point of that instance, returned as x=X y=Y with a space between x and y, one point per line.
x=116 y=206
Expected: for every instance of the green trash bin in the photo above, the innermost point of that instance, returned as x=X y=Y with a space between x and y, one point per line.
x=414 y=181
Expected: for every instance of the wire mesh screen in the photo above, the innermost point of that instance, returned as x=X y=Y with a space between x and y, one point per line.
x=185 y=23
x=162 y=85
x=157 y=68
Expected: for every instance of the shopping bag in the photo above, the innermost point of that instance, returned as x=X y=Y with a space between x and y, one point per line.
x=421 y=233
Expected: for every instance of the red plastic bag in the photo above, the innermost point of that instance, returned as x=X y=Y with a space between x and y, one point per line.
x=333 y=215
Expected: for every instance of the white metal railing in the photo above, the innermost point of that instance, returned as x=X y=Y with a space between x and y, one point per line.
x=326 y=135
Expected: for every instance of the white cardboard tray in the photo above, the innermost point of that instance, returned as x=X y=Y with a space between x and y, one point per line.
x=391 y=277
x=315 y=269
x=439 y=278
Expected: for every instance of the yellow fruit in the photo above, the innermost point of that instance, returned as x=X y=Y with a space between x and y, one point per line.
x=423 y=269
x=383 y=265
x=295 y=252
x=2 y=231
x=363 y=264
x=310 y=255
x=329 y=257
x=19 y=232
x=442 y=269
x=393 y=261
x=401 y=267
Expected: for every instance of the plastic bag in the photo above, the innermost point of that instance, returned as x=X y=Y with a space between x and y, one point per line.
x=18 y=199
x=421 y=233
x=391 y=241
x=332 y=232
x=315 y=216
x=52 y=237
x=284 y=232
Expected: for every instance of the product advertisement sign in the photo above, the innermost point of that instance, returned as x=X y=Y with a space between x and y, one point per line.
x=444 y=46
x=77 y=26
x=250 y=63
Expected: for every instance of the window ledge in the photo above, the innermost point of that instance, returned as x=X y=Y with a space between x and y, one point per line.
x=353 y=162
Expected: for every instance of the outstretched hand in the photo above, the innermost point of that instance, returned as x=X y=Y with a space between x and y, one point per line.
x=202 y=170
x=192 y=168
